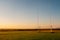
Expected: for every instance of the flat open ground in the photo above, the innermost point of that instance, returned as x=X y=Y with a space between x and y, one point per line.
x=29 y=35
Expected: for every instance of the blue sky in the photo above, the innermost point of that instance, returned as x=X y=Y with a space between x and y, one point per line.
x=24 y=12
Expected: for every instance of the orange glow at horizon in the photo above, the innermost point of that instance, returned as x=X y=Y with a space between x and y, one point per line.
x=22 y=26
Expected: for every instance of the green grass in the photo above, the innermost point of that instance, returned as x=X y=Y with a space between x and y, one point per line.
x=29 y=35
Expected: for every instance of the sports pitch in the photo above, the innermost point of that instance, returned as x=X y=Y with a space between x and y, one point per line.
x=29 y=35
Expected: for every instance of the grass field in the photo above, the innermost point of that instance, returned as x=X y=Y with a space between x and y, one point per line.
x=29 y=35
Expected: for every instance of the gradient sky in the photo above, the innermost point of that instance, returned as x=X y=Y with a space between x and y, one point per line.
x=23 y=13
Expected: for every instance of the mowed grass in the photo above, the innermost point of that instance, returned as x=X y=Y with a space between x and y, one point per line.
x=29 y=35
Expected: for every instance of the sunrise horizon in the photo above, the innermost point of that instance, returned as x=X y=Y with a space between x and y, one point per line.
x=29 y=14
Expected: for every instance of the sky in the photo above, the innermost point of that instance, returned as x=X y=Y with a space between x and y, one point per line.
x=29 y=13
